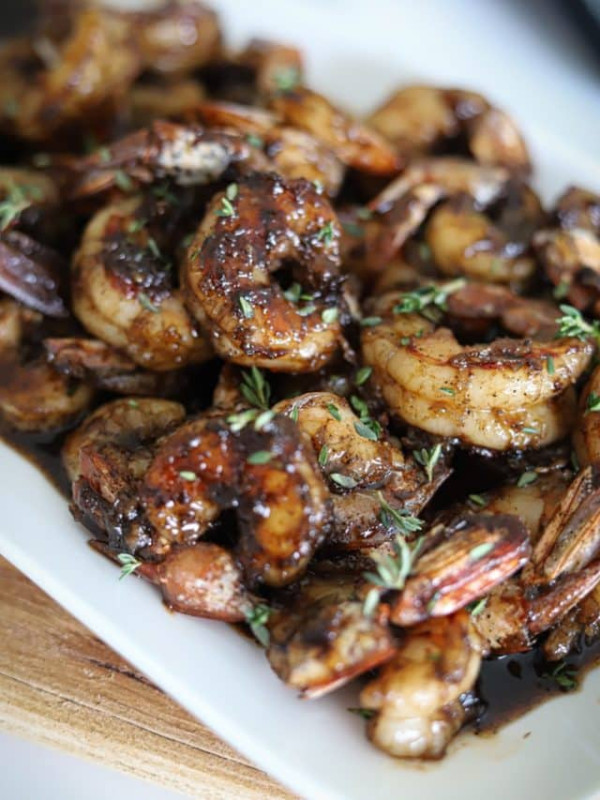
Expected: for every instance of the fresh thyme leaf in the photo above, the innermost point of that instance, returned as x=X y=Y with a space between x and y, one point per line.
x=477 y=606
x=391 y=571
x=146 y=303
x=446 y=390
x=255 y=141
x=398 y=518
x=306 y=310
x=364 y=431
x=366 y=420
x=526 y=479
x=263 y=420
x=239 y=421
x=592 y=403
x=478 y=500
x=531 y=431
x=364 y=213
x=481 y=550
x=575 y=461
x=428 y=458
x=334 y=411
x=246 y=306
x=136 y=225
x=129 y=564
x=573 y=323
x=227 y=209
x=420 y=299
x=154 y=248
x=326 y=233
x=323 y=455
x=188 y=475
x=365 y=713
x=231 y=192
x=293 y=293
x=123 y=181
x=345 y=481
x=294 y=414
x=550 y=365
x=329 y=315
x=370 y=322
x=352 y=229
x=260 y=457
x=287 y=79
x=163 y=192
x=255 y=388
x=17 y=200
x=363 y=375
x=133 y=404
x=561 y=290
x=564 y=675
x=257 y=618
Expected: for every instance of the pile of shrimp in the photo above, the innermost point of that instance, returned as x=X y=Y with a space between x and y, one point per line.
x=331 y=378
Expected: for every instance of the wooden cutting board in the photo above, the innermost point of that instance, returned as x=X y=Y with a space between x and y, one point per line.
x=61 y=686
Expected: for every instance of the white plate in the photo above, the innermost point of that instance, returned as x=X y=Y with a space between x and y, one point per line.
x=357 y=53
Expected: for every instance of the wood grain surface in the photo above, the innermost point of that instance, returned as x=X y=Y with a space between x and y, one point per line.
x=61 y=686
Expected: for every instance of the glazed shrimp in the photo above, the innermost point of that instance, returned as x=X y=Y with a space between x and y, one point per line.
x=32 y=274
x=416 y=696
x=500 y=396
x=275 y=65
x=187 y=154
x=294 y=153
x=420 y=119
x=570 y=250
x=33 y=396
x=404 y=204
x=377 y=471
x=264 y=224
x=322 y=639
x=586 y=434
x=27 y=198
x=107 y=456
x=355 y=144
x=92 y=68
x=464 y=241
x=269 y=476
x=122 y=291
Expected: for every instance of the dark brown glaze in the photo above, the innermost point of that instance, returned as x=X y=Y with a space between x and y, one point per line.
x=230 y=264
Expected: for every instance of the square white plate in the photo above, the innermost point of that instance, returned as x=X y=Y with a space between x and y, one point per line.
x=357 y=53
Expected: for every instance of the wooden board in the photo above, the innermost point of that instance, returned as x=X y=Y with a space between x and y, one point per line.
x=61 y=686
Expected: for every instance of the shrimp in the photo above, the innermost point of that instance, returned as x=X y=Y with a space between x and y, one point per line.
x=570 y=251
x=294 y=153
x=32 y=274
x=104 y=367
x=321 y=640
x=187 y=154
x=264 y=224
x=416 y=696
x=163 y=99
x=107 y=456
x=583 y=622
x=203 y=580
x=88 y=73
x=586 y=434
x=420 y=119
x=275 y=66
x=27 y=199
x=354 y=143
x=122 y=290
x=404 y=204
x=500 y=395
x=34 y=397
x=269 y=476
x=376 y=471
x=464 y=241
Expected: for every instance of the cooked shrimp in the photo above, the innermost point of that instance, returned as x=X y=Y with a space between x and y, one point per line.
x=355 y=144
x=322 y=639
x=582 y=623
x=270 y=475
x=416 y=696
x=106 y=457
x=294 y=153
x=33 y=274
x=33 y=396
x=267 y=223
x=420 y=119
x=163 y=99
x=570 y=251
x=187 y=154
x=586 y=434
x=107 y=368
x=376 y=471
x=482 y=552
x=122 y=291
x=26 y=198
x=405 y=203
x=464 y=241
x=276 y=66
x=501 y=395
x=203 y=580
x=88 y=74
x=179 y=37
